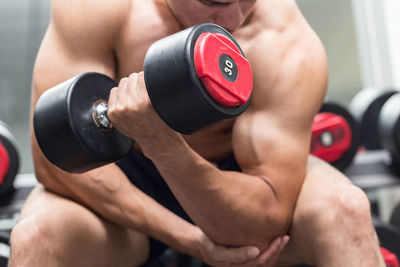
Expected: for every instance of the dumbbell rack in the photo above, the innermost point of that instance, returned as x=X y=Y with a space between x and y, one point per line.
x=370 y=170
x=11 y=205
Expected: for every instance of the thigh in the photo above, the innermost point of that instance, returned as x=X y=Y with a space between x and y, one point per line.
x=81 y=237
x=323 y=186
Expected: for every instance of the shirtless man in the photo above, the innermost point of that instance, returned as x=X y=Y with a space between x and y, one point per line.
x=100 y=218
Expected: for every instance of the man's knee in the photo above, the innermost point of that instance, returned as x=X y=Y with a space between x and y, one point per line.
x=71 y=235
x=344 y=206
x=40 y=236
x=354 y=204
x=28 y=242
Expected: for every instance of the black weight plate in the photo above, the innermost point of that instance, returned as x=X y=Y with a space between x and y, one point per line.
x=9 y=143
x=3 y=261
x=4 y=247
x=388 y=235
x=395 y=218
x=348 y=156
x=365 y=108
x=65 y=129
x=5 y=237
x=389 y=126
x=176 y=92
x=4 y=258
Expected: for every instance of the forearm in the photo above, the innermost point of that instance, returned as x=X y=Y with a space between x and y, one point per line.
x=232 y=208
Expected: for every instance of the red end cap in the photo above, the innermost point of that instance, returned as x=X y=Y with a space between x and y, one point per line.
x=331 y=136
x=4 y=163
x=390 y=259
x=223 y=71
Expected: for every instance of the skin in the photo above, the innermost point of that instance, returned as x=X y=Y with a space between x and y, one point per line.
x=81 y=52
x=270 y=140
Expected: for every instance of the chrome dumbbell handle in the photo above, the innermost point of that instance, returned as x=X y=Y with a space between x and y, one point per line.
x=99 y=115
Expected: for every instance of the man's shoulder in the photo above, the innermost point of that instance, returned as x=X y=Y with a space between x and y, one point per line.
x=89 y=16
x=270 y=22
x=275 y=14
x=282 y=47
x=276 y=24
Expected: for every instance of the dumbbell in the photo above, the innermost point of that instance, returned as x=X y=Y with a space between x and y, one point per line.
x=366 y=107
x=389 y=240
x=395 y=218
x=4 y=254
x=379 y=113
x=9 y=161
x=4 y=248
x=194 y=78
x=334 y=135
x=388 y=235
x=389 y=258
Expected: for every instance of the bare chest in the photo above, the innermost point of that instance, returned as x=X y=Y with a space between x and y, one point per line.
x=139 y=32
x=150 y=20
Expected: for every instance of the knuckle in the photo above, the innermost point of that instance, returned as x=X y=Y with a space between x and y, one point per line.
x=113 y=92
x=110 y=111
x=123 y=81
x=132 y=76
x=119 y=108
x=141 y=103
x=120 y=111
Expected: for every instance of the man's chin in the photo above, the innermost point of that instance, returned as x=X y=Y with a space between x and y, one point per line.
x=187 y=24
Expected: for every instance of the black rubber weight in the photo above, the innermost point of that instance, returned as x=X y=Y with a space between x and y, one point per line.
x=175 y=91
x=389 y=126
x=4 y=248
x=389 y=236
x=8 y=141
x=65 y=129
x=348 y=156
x=395 y=218
x=365 y=107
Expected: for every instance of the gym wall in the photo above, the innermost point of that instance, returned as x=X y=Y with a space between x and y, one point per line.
x=23 y=23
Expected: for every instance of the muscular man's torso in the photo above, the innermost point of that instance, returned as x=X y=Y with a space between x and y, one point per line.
x=149 y=21
x=270 y=140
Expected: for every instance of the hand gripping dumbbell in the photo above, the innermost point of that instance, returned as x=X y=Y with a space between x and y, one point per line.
x=334 y=135
x=9 y=160
x=194 y=78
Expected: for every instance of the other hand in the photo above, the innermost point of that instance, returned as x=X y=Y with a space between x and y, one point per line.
x=217 y=255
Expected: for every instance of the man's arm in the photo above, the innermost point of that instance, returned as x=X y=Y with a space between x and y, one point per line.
x=79 y=39
x=74 y=44
x=271 y=140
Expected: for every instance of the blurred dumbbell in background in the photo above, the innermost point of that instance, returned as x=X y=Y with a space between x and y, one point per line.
x=335 y=135
x=9 y=164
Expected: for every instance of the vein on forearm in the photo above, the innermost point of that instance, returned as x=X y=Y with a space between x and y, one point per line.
x=222 y=203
